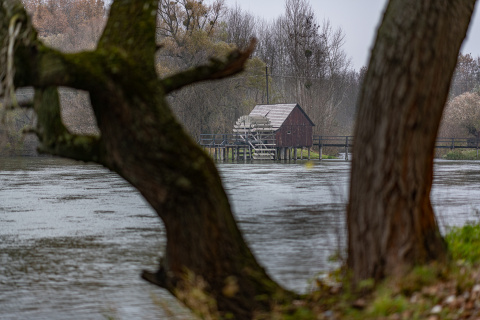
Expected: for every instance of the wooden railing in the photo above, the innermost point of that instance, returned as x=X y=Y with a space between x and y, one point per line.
x=333 y=141
x=221 y=140
x=215 y=140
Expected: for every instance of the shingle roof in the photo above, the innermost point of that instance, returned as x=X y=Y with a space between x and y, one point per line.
x=277 y=113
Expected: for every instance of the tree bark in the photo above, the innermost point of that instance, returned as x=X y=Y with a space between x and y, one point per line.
x=142 y=142
x=391 y=223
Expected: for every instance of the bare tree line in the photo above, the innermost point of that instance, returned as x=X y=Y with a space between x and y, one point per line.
x=461 y=117
x=306 y=62
x=305 y=59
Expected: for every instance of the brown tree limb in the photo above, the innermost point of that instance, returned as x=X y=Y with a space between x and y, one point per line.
x=142 y=142
x=134 y=39
x=26 y=61
x=16 y=30
x=217 y=69
x=54 y=136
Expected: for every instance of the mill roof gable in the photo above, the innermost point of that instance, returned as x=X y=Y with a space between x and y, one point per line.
x=277 y=113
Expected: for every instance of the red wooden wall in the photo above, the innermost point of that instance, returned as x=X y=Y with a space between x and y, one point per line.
x=296 y=131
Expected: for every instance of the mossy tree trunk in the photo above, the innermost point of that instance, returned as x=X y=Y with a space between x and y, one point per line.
x=391 y=223
x=142 y=142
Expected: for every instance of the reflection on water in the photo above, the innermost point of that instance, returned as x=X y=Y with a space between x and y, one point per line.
x=74 y=237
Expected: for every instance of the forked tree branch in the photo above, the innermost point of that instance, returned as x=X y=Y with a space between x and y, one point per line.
x=217 y=69
x=55 y=137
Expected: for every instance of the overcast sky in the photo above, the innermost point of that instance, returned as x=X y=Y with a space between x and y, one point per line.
x=358 y=19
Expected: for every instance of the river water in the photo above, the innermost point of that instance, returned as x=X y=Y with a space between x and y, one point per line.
x=74 y=237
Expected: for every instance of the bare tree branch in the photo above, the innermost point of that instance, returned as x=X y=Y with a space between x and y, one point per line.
x=55 y=137
x=217 y=69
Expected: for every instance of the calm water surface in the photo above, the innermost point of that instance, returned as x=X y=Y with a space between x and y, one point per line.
x=74 y=237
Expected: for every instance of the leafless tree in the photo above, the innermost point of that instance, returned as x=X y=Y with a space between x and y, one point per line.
x=240 y=27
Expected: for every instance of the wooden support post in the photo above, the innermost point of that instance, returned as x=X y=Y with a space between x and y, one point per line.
x=295 y=153
x=308 y=154
x=320 y=148
x=301 y=153
x=346 y=149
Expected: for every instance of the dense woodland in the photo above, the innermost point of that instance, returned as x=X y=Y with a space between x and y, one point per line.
x=306 y=64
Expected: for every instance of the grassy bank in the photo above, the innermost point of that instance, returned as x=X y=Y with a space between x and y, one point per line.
x=461 y=155
x=432 y=292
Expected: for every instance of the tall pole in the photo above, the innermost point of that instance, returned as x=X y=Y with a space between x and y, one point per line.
x=266 y=77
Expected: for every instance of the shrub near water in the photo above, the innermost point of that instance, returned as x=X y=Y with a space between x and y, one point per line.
x=462 y=155
x=437 y=291
x=464 y=243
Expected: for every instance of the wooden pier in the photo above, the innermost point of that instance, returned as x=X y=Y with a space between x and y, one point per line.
x=240 y=147
x=235 y=147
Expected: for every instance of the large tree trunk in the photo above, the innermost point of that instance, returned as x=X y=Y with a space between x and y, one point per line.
x=204 y=245
x=391 y=223
x=142 y=141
